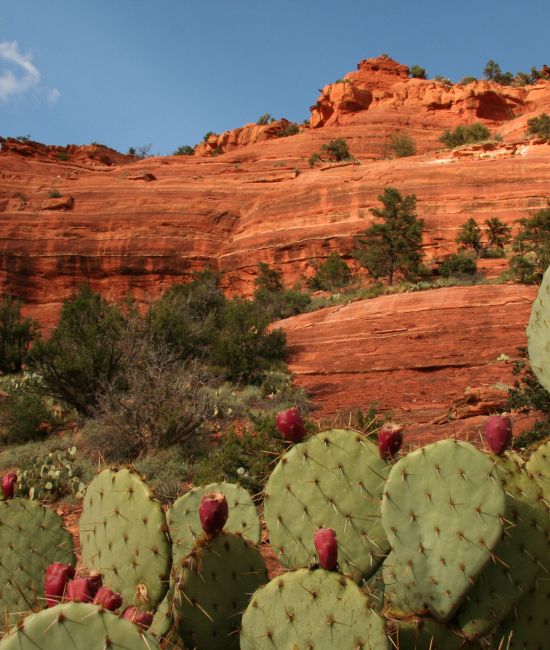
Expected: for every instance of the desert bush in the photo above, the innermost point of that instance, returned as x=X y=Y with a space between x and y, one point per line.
x=184 y=150
x=539 y=126
x=402 y=145
x=469 y=236
x=27 y=416
x=277 y=301
x=16 y=335
x=291 y=129
x=314 y=159
x=475 y=132
x=467 y=80
x=63 y=156
x=498 y=233
x=418 y=72
x=493 y=72
x=337 y=150
x=54 y=194
x=332 y=274
x=265 y=119
x=166 y=471
x=531 y=247
x=458 y=263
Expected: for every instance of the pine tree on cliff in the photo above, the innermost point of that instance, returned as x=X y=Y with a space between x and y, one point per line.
x=393 y=246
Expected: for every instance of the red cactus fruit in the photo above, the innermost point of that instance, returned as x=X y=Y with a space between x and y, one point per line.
x=138 y=616
x=108 y=599
x=390 y=439
x=57 y=576
x=81 y=590
x=213 y=513
x=327 y=548
x=291 y=424
x=498 y=432
x=8 y=484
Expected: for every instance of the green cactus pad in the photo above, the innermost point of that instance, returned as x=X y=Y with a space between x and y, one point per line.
x=31 y=538
x=519 y=557
x=311 y=610
x=538 y=333
x=331 y=480
x=185 y=526
x=77 y=626
x=443 y=510
x=539 y=466
x=214 y=586
x=401 y=592
x=164 y=616
x=426 y=634
x=123 y=536
x=528 y=628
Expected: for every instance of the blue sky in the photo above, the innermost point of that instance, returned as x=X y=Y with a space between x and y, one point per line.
x=133 y=72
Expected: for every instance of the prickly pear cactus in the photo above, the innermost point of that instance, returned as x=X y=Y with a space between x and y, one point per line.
x=311 y=609
x=31 y=538
x=402 y=595
x=518 y=558
x=538 y=333
x=123 y=536
x=214 y=586
x=331 y=480
x=426 y=634
x=78 y=626
x=185 y=526
x=539 y=466
x=443 y=511
x=164 y=616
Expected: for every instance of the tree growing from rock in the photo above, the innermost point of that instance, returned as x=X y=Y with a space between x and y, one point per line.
x=394 y=245
x=532 y=247
x=469 y=236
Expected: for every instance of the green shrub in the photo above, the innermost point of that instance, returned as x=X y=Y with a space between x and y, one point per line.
x=493 y=72
x=476 y=132
x=166 y=471
x=337 y=150
x=467 y=80
x=332 y=274
x=417 y=72
x=493 y=253
x=539 y=126
x=16 y=335
x=84 y=351
x=469 y=236
x=498 y=233
x=265 y=119
x=532 y=247
x=402 y=145
x=458 y=263
x=184 y=150
x=277 y=301
x=54 y=194
x=207 y=135
x=314 y=159
x=27 y=416
x=217 y=151
x=291 y=129
x=63 y=156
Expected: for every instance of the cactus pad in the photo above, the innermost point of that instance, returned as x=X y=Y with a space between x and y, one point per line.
x=214 y=586
x=308 y=610
x=164 y=616
x=426 y=634
x=123 y=536
x=331 y=480
x=538 y=333
x=185 y=526
x=401 y=591
x=31 y=538
x=77 y=626
x=519 y=557
x=539 y=466
x=443 y=510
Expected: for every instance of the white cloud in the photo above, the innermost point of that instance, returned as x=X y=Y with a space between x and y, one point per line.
x=52 y=96
x=27 y=77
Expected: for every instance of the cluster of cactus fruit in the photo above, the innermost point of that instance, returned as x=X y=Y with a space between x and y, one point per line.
x=441 y=548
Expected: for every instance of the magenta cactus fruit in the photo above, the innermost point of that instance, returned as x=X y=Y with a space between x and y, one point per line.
x=213 y=513
x=390 y=439
x=108 y=599
x=80 y=590
x=57 y=576
x=498 y=432
x=8 y=484
x=138 y=616
x=327 y=548
x=291 y=424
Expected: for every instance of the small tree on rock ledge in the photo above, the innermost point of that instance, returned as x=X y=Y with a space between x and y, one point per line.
x=393 y=246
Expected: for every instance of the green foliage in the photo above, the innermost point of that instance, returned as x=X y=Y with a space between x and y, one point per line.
x=243 y=348
x=63 y=156
x=469 y=236
x=277 y=301
x=457 y=264
x=53 y=477
x=337 y=150
x=532 y=247
x=265 y=119
x=467 y=80
x=165 y=471
x=418 y=72
x=402 y=145
x=393 y=246
x=498 y=233
x=493 y=72
x=476 y=132
x=27 y=416
x=54 y=194
x=83 y=354
x=184 y=150
x=332 y=274
x=314 y=159
x=539 y=126
x=131 y=151
x=291 y=129
x=207 y=135
x=16 y=335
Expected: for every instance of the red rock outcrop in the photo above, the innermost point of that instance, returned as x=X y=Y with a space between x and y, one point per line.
x=431 y=359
